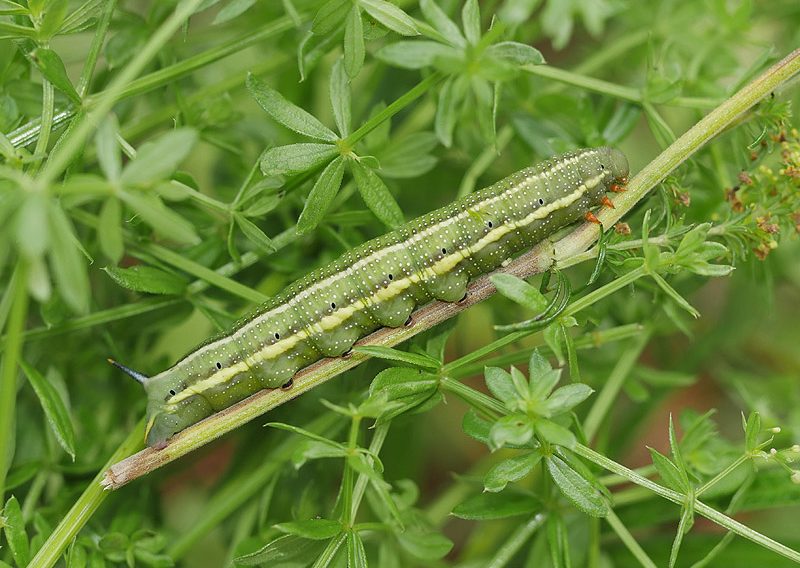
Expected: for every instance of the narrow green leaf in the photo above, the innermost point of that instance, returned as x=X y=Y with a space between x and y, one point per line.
x=160 y=158
x=356 y=555
x=390 y=16
x=162 y=219
x=424 y=544
x=287 y=113
x=254 y=234
x=148 y=279
x=14 y=529
x=512 y=469
x=515 y=430
x=286 y=550
x=500 y=384
x=32 y=227
x=409 y=156
x=667 y=470
x=51 y=66
x=55 y=408
x=315 y=529
x=414 y=54
x=568 y=397
x=321 y=196
x=514 y=52
x=54 y=13
x=487 y=506
x=376 y=195
x=752 y=429
x=109 y=230
x=555 y=433
x=232 y=10
x=353 y=44
x=450 y=97
x=296 y=158
x=443 y=24
x=108 y=154
x=471 y=20
x=330 y=16
x=340 y=97
x=519 y=291
x=390 y=354
x=69 y=268
x=577 y=489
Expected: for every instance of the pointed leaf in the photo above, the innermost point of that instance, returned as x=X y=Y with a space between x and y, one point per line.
x=14 y=529
x=501 y=385
x=287 y=113
x=254 y=234
x=340 y=98
x=515 y=429
x=443 y=24
x=330 y=16
x=577 y=489
x=296 y=158
x=55 y=408
x=108 y=154
x=148 y=279
x=160 y=158
x=516 y=53
x=668 y=471
x=390 y=354
x=163 y=220
x=519 y=291
x=353 y=44
x=415 y=54
x=356 y=555
x=426 y=545
x=568 y=397
x=555 y=433
x=390 y=16
x=486 y=506
x=376 y=195
x=471 y=20
x=69 y=265
x=51 y=66
x=321 y=196
x=314 y=529
x=512 y=469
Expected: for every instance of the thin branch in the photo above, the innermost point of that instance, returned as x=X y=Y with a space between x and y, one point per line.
x=537 y=260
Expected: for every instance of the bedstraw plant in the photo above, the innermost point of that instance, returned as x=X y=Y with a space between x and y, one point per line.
x=628 y=397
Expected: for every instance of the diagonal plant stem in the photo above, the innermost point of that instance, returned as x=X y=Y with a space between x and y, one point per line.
x=708 y=512
x=537 y=260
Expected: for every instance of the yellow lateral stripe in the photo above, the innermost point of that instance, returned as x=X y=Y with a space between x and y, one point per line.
x=378 y=254
x=335 y=319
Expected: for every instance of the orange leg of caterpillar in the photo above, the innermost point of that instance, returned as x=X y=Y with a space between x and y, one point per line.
x=607 y=202
x=591 y=218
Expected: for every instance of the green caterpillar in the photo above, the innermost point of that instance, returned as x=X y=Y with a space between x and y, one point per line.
x=379 y=284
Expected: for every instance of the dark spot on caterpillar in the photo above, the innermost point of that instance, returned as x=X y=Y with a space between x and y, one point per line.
x=287 y=385
x=277 y=336
x=391 y=277
x=172 y=392
x=444 y=251
x=541 y=201
x=333 y=305
x=219 y=365
x=490 y=224
x=602 y=166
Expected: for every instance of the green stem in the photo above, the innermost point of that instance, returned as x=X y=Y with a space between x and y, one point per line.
x=708 y=512
x=85 y=506
x=611 y=89
x=8 y=368
x=94 y=50
x=63 y=154
x=375 y=445
x=48 y=102
x=608 y=394
x=399 y=104
x=518 y=538
x=627 y=539
x=722 y=474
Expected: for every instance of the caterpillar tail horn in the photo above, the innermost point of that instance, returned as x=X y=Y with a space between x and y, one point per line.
x=137 y=376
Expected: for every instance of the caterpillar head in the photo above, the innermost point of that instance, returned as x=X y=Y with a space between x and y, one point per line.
x=165 y=416
x=616 y=162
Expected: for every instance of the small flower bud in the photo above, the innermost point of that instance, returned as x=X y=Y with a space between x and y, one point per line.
x=775 y=430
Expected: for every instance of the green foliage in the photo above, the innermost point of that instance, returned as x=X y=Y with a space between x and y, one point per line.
x=166 y=166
